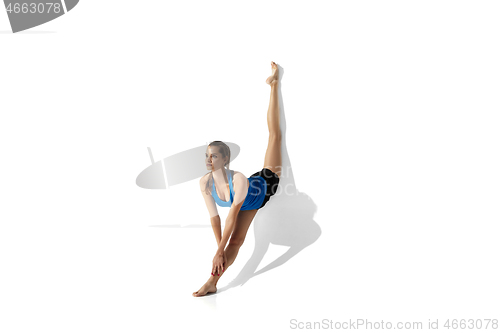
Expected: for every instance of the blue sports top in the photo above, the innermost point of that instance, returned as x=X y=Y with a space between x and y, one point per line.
x=255 y=196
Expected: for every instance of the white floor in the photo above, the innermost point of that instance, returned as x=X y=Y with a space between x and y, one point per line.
x=389 y=204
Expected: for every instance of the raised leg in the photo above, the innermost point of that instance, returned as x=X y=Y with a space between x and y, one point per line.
x=272 y=160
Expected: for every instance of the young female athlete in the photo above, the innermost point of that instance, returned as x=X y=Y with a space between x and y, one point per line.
x=245 y=196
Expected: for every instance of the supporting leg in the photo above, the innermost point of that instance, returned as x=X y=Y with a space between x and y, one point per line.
x=243 y=221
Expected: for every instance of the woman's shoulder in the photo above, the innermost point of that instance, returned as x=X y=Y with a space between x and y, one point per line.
x=240 y=178
x=238 y=174
x=204 y=179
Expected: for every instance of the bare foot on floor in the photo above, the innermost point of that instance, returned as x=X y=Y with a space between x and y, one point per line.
x=275 y=76
x=206 y=289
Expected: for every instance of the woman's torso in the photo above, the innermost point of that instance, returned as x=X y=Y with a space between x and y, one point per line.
x=256 y=191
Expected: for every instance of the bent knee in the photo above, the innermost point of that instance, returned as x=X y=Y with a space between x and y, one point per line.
x=236 y=241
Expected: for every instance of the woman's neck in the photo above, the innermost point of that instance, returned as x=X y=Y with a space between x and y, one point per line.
x=219 y=175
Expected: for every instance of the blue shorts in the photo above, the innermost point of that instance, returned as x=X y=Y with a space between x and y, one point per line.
x=272 y=181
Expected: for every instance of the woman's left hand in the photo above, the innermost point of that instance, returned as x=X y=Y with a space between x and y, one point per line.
x=218 y=263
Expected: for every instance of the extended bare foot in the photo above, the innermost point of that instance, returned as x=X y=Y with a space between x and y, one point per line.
x=207 y=288
x=275 y=76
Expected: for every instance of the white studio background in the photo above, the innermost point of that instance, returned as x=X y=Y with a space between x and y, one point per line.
x=391 y=112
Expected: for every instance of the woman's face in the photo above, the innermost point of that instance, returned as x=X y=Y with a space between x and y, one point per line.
x=213 y=158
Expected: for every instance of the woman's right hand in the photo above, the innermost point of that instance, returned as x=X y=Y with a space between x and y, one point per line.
x=225 y=258
x=220 y=268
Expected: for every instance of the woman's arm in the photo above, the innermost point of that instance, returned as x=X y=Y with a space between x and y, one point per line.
x=212 y=210
x=216 y=227
x=240 y=193
x=241 y=190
